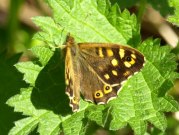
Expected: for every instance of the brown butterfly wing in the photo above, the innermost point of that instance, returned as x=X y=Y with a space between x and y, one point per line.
x=72 y=77
x=111 y=62
x=92 y=87
x=104 y=67
x=97 y=70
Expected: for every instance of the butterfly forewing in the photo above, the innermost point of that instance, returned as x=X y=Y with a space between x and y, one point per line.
x=72 y=76
x=98 y=70
x=113 y=63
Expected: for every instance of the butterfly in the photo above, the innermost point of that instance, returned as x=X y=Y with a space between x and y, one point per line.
x=97 y=70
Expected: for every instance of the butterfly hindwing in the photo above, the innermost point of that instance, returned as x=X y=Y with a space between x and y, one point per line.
x=93 y=88
x=97 y=70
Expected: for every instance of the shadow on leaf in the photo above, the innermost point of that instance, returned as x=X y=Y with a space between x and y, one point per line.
x=49 y=91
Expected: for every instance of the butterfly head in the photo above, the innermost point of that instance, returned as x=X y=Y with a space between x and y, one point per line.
x=69 y=41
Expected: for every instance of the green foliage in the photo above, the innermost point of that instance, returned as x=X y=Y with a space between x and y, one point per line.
x=10 y=83
x=163 y=6
x=174 y=18
x=142 y=99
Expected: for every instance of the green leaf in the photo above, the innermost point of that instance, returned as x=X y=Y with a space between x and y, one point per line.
x=31 y=71
x=168 y=104
x=24 y=126
x=44 y=54
x=162 y=6
x=49 y=118
x=95 y=113
x=174 y=18
x=48 y=121
x=22 y=103
x=125 y=23
x=51 y=31
x=73 y=124
x=84 y=13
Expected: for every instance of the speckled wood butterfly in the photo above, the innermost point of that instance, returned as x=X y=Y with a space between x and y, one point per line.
x=97 y=70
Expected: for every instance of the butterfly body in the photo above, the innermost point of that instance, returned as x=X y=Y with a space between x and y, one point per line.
x=97 y=70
